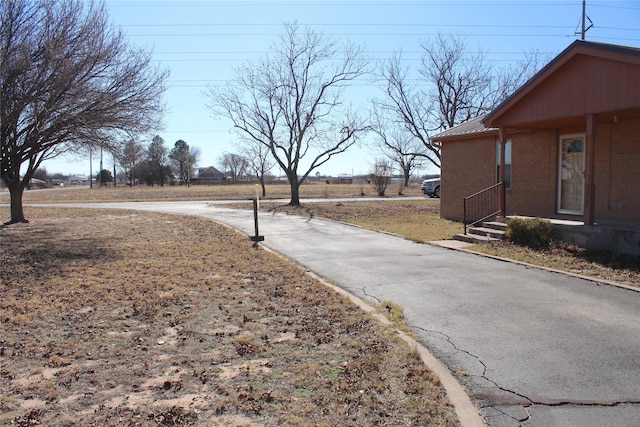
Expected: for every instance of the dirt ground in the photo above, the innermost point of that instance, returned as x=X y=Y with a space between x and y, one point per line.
x=118 y=318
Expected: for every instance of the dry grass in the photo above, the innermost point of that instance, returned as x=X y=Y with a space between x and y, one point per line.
x=138 y=319
x=603 y=265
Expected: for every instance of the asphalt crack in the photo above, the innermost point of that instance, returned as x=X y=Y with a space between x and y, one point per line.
x=364 y=291
x=529 y=402
x=587 y=403
x=519 y=420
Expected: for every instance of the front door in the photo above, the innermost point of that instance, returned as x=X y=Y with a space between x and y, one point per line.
x=571 y=175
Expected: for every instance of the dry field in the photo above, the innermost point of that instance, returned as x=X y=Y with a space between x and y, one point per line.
x=201 y=192
x=119 y=318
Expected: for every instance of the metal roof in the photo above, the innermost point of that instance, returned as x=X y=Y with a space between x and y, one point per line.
x=470 y=127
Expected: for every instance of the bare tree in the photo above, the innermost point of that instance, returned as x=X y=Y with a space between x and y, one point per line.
x=235 y=165
x=381 y=176
x=408 y=107
x=462 y=81
x=398 y=145
x=258 y=159
x=508 y=80
x=458 y=86
x=291 y=102
x=68 y=79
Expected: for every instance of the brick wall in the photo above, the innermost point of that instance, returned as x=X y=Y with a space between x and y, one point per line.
x=534 y=164
x=467 y=167
x=617 y=171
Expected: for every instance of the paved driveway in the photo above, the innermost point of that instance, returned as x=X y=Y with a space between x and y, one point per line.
x=532 y=347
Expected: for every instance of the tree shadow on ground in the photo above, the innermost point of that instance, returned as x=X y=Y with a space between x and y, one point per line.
x=51 y=248
x=606 y=259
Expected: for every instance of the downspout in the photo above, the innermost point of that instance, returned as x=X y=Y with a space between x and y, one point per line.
x=589 y=171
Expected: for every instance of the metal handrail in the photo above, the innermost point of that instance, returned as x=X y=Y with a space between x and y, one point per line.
x=482 y=205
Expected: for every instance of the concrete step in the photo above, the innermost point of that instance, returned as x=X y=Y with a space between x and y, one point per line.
x=485 y=231
x=496 y=225
x=502 y=219
x=475 y=238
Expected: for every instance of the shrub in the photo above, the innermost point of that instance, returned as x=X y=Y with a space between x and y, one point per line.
x=381 y=176
x=532 y=232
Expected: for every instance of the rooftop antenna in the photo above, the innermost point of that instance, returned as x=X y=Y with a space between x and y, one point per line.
x=584 y=20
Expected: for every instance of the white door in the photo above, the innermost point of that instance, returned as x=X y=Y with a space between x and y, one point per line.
x=571 y=175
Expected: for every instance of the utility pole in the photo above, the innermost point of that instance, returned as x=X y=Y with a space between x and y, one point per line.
x=100 y=173
x=188 y=167
x=584 y=20
x=90 y=167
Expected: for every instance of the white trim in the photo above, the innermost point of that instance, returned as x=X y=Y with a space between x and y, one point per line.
x=559 y=183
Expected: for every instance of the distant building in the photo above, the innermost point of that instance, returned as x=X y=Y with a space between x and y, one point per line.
x=341 y=179
x=77 y=179
x=208 y=175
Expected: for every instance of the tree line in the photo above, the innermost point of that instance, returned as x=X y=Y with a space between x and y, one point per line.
x=70 y=81
x=156 y=164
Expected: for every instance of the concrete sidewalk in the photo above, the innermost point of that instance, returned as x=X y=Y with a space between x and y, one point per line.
x=532 y=347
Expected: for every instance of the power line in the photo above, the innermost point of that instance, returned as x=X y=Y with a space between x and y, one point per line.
x=323 y=3
x=337 y=34
x=345 y=25
x=405 y=25
x=345 y=3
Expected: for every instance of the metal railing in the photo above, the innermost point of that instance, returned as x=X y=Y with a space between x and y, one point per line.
x=483 y=205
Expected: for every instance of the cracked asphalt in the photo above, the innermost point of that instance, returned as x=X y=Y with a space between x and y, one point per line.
x=532 y=347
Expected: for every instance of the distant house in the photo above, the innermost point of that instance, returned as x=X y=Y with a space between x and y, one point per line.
x=78 y=179
x=571 y=138
x=208 y=175
x=342 y=179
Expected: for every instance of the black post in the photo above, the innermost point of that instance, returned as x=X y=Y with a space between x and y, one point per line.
x=464 y=220
x=257 y=238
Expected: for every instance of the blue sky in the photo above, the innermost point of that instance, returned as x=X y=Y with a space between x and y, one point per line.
x=202 y=42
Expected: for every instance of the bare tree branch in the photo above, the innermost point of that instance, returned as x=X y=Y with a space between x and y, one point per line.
x=396 y=144
x=69 y=79
x=408 y=107
x=258 y=158
x=291 y=102
x=459 y=86
x=235 y=165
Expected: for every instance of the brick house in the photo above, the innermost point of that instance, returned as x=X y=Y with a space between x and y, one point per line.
x=572 y=137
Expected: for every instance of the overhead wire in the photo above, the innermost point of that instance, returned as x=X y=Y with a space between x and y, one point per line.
x=244 y=56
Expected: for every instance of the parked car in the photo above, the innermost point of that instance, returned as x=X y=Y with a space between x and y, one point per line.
x=431 y=187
